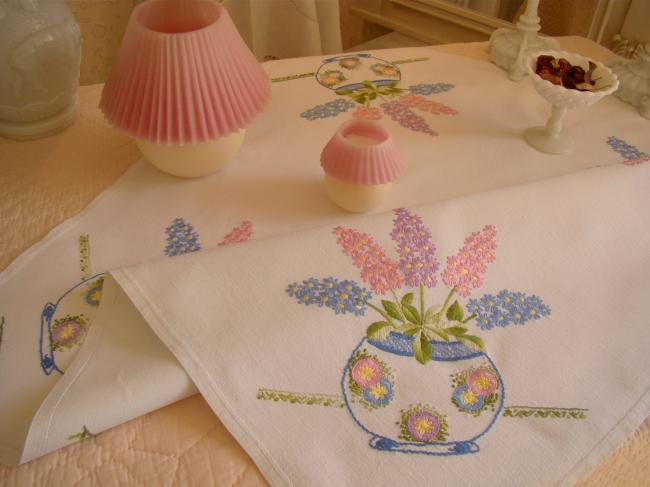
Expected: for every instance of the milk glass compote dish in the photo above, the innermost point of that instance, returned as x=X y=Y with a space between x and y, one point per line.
x=550 y=138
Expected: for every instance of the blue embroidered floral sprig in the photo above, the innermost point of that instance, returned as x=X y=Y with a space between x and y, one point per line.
x=341 y=296
x=507 y=308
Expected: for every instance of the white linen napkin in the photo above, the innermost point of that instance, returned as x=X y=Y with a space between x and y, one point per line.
x=553 y=277
x=49 y=296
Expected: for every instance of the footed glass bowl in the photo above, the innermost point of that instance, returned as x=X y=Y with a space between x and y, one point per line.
x=550 y=138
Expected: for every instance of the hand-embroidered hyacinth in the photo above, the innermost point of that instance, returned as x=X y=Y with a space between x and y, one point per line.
x=68 y=331
x=181 y=238
x=371 y=380
x=329 y=109
x=241 y=233
x=507 y=308
x=422 y=423
x=377 y=269
x=367 y=113
x=342 y=296
x=403 y=115
x=465 y=270
x=415 y=101
x=427 y=89
x=93 y=294
x=631 y=154
x=475 y=390
x=417 y=261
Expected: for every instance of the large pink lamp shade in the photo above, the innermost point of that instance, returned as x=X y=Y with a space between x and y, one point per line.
x=185 y=85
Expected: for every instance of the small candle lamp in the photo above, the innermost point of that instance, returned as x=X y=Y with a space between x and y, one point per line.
x=360 y=161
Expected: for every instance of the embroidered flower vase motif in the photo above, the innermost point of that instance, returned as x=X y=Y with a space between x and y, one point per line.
x=409 y=407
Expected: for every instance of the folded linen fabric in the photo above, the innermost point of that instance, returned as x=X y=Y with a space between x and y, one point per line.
x=456 y=140
x=498 y=339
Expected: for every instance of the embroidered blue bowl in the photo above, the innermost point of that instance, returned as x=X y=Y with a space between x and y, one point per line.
x=441 y=408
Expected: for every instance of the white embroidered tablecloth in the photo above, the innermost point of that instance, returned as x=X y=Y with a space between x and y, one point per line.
x=458 y=123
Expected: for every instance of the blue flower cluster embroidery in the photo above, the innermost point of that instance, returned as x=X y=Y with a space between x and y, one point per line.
x=426 y=89
x=507 y=308
x=629 y=152
x=342 y=296
x=181 y=238
x=329 y=109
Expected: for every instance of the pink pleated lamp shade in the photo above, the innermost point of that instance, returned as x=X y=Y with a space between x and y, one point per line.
x=183 y=75
x=363 y=152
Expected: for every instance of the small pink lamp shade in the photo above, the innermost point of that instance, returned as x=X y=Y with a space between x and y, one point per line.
x=377 y=162
x=183 y=75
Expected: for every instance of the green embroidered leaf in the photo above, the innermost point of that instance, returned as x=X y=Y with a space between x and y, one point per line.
x=373 y=95
x=411 y=313
x=440 y=332
x=369 y=84
x=456 y=330
x=379 y=330
x=455 y=312
x=474 y=340
x=343 y=92
x=393 y=84
x=392 y=309
x=407 y=299
x=430 y=315
x=412 y=331
x=422 y=348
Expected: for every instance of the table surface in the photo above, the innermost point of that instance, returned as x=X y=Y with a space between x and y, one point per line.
x=49 y=180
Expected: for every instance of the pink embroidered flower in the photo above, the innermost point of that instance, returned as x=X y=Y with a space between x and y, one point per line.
x=436 y=108
x=366 y=372
x=239 y=234
x=68 y=331
x=411 y=100
x=424 y=426
x=466 y=269
x=377 y=269
x=482 y=382
x=367 y=113
x=417 y=260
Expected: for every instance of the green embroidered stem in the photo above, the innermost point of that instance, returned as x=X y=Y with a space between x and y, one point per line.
x=544 y=412
x=292 y=77
x=469 y=318
x=333 y=400
x=422 y=302
x=410 y=60
x=328 y=400
x=85 y=433
x=84 y=256
x=449 y=296
x=399 y=307
x=381 y=312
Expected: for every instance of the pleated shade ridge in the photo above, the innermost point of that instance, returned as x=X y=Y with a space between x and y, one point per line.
x=377 y=163
x=183 y=75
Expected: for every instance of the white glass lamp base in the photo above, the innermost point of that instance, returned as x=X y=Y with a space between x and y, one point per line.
x=355 y=198
x=192 y=160
x=540 y=139
x=40 y=128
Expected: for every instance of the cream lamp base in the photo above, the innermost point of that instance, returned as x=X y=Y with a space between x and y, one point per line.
x=355 y=198
x=192 y=160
